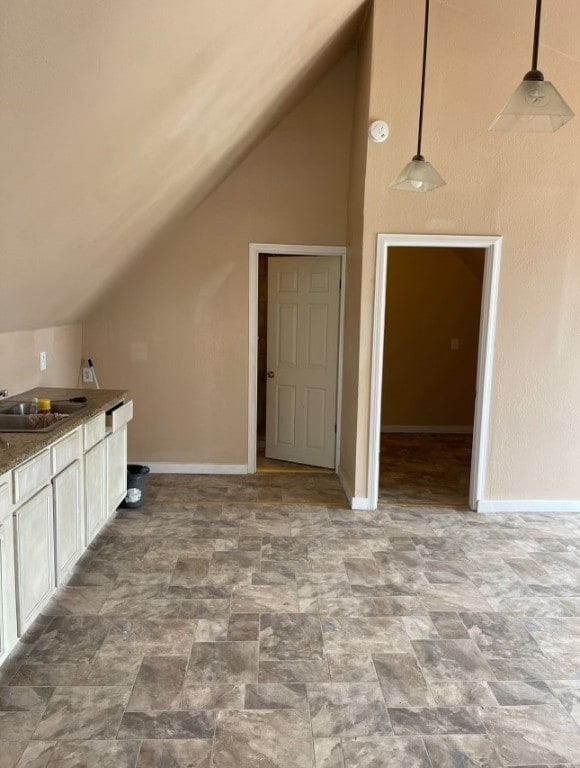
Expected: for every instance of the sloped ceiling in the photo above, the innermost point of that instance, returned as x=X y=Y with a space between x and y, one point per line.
x=121 y=114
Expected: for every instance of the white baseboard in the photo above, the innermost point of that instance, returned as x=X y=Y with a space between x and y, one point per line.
x=527 y=505
x=168 y=468
x=357 y=503
x=429 y=429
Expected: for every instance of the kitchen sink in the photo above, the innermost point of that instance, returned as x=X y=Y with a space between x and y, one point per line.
x=17 y=417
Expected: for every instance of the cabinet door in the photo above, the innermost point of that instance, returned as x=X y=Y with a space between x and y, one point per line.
x=68 y=510
x=95 y=490
x=116 y=468
x=34 y=556
x=8 y=635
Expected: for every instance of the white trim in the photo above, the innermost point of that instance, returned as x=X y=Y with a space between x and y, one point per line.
x=357 y=503
x=285 y=250
x=490 y=291
x=527 y=505
x=168 y=468
x=428 y=429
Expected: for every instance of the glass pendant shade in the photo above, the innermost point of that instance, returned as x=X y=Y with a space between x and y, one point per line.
x=536 y=106
x=418 y=176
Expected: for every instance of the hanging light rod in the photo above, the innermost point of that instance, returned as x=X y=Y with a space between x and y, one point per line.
x=536 y=105
x=419 y=175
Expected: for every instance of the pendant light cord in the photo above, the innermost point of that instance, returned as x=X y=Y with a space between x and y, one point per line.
x=420 y=133
x=536 y=35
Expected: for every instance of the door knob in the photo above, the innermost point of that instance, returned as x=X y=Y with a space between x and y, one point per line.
x=271 y=374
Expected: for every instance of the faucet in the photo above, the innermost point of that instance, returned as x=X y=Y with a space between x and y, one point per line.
x=3 y=393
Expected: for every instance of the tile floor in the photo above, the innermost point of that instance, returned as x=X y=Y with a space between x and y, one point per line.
x=256 y=622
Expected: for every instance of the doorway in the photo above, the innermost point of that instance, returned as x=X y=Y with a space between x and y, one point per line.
x=296 y=309
x=435 y=306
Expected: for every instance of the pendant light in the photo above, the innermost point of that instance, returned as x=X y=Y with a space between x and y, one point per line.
x=536 y=105
x=419 y=175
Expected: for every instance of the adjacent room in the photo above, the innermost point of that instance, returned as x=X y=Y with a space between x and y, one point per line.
x=289 y=363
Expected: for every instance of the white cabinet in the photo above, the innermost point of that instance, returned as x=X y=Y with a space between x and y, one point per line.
x=117 y=420
x=34 y=550
x=95 y=490
x=116 y=469
x=68 y=519
x=8 y=632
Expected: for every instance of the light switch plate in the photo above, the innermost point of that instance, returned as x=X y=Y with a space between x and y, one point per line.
x=87 y=375
x=43 y=361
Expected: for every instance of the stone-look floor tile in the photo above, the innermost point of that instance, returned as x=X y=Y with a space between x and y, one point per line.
x=262 y=599
x=244 y=626
x=461 y=693
x=526 y=668
x=452 y=660
x=224 y=696
x=347 y=606
x=401 y=680
x=180 y=724
x=11 y=752
x=204 y=609
x=436 y=721
x=290 y=637
x=176 y=753
x=347 y=710
x=449 y=626
x=375 y=752
x=397 y=606
x=158 y=684
x=533 y=735
x=50 y=674
x=70 y=638
x=568 y=694
x=82 y=601
x=328 y=753
x=519 y=693
x=454 y=597
x=274 y=738
x=462 y=751
x=211 y=630
x=104 y=754
x=303 y=671
x=276 y=696
x=375 y=634
x=225 y=662
x=351 y=667
x=109 y=666
x=139 y=607
x=154 y=637
x=36 y=755
x=21 y=709
x=83 y=713
x=420 y=628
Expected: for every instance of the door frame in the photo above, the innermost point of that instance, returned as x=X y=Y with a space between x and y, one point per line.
x=489 y=299
x=278 y=249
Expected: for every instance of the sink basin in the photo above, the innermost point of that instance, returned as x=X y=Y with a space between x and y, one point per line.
x=23 y=409
x=16 y=417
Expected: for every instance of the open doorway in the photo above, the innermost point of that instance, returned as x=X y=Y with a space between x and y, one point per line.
x=386 y=246
x=432 y=323
x=295 y=358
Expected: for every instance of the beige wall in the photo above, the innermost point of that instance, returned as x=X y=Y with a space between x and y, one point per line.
x=175 y=329
x=350 y=433
x=19 y=358
x=433 y=296
x=523 y=187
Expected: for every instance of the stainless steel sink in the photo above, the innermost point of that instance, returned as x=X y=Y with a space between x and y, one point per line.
x=17 y=417
x=23 y=409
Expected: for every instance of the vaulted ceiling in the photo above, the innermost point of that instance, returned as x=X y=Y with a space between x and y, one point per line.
x=120 y=115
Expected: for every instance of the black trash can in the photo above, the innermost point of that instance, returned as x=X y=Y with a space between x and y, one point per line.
x=136 y=482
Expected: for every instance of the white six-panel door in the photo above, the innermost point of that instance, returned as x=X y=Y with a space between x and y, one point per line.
x=303 y=328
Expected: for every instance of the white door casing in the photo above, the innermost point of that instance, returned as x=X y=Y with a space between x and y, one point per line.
x=303 y=334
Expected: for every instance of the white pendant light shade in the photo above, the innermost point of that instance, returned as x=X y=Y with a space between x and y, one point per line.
x=535 y=107
x=418 y=176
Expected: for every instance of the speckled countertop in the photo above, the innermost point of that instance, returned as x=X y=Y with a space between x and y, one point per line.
x=16 y=447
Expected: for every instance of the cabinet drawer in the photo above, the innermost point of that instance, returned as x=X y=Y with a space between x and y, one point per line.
x=31 y=476
x=93 y=431
x=5 y=497
x=120 y=416
x=65 y=451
